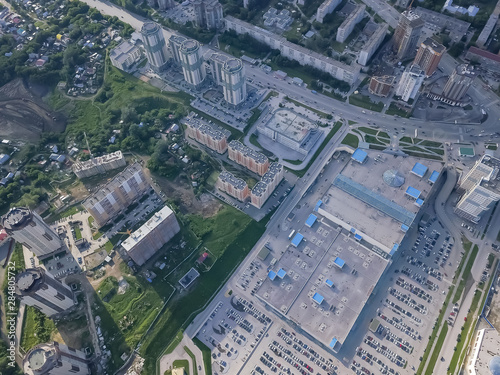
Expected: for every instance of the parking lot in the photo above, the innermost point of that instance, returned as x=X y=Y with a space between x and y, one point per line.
x=283 y=351
x=409 y=306
x=232 y=331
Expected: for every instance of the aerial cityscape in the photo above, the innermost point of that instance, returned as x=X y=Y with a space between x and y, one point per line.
x=208 y=187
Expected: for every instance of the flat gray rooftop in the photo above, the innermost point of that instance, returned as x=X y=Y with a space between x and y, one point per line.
x=380 y=222
x=308 y=267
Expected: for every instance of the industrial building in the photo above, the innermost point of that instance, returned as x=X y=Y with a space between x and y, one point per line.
x=111 y=199
x=345 y=29
x=125 y=55
x=429 y=55
x=155 y=46
x=410 y=82
x=37 y=288
x=265 y=187
x=248 y=157
x=192 y=63
x=100 y=164
x=483 y=357
x=210 y=135
x=291 y=129
x=151 y=236
x=208 y=13
x=55 y=359
x=235 y=187
x=381 y=86
x=29 y=229
x=372 y=44
x=459 y=82
x=480 y=189
x=327 y=7
x=302 y=55
x=407 y=33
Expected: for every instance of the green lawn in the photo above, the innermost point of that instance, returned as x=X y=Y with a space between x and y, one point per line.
x=193 y=358
x=37 y=328
x=365 y=102
x=206 y=352
x=395 y=110
x=437 y=349
x=78 y=232
x=351 y=140
x=108 y=246
x=70 y=211
x=366 y=130
x=466 y=274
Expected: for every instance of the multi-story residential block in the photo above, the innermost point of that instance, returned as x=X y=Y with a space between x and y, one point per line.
x=459 y=82
x=192 y=63
x=265 y=187
x=29 y=229
x=429 y=55
x=175 y=43
x=352 y=20
x=327 y=7
x=212 y=136
x=480 y=190
x=55 y=359
x=208 y=13
x=151 y=236
x=112 y=198
x=248 y=157
x=281 y=19
x=235 y=187
x=100 y=164
x=407 y=34
x=303 y=56
x=410 y=82
x=381 y=86
x=155 y=46
x=37 y=288
x=229 y=73
x=372 y=44
x=125 y=55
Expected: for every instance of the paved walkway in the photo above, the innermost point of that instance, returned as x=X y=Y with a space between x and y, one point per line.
x=167 y=360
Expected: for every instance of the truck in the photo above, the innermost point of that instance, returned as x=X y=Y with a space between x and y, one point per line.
x=314 y=91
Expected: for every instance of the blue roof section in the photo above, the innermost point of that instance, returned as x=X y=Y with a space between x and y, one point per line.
x=271 y=275
x=357 y=237
x=339 y=262
x=311 y=220
x=329 y=282
x=353 y=230
x=394 y=249
x=419 y=169
x=333 y=342
x=297 y=239
x=373 y=199
x=359 y=155
x=412 y=192
x=318 y=205
x=419 y=202
x=434 y=176
x=404 y=228
x=281 y=273
x=318 y=298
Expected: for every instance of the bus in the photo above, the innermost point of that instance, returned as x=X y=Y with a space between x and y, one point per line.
x=291 y=234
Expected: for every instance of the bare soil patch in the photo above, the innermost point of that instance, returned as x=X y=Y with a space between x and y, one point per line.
x=24 y=115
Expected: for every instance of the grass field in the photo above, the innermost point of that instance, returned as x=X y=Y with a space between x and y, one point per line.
x=395 y=110
x=439 y=344
x=466 y=274
x=37 y=328
x=365 y=102
x=350 y=140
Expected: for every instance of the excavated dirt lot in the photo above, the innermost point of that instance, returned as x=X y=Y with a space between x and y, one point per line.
x=24 y=115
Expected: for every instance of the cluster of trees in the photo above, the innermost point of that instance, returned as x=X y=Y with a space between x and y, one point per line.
x=245 y=42
x=235 y=8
